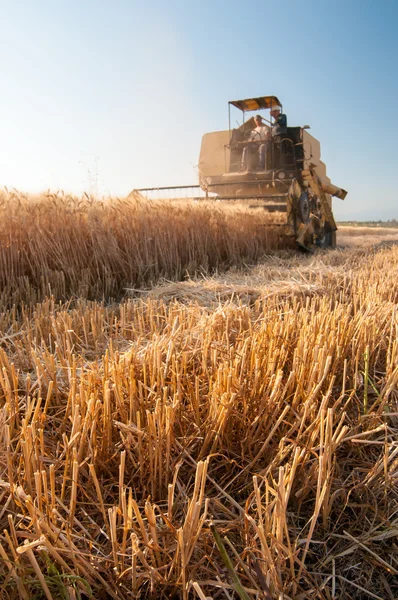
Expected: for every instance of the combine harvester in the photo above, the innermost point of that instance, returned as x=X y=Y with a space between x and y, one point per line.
x=292 y=179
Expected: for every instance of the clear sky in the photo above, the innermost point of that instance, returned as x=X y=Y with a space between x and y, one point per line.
x=117 y=94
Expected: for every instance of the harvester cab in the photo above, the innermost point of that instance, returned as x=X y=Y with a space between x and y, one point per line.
x=278 y=165
x=270 y=165
x=253 y=147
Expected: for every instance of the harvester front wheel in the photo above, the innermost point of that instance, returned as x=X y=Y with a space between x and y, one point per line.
x=327 y=240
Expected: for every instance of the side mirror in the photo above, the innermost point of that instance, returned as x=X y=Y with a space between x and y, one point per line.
x=306 y=127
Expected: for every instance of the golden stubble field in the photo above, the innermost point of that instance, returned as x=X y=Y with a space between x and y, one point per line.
x=230 y=435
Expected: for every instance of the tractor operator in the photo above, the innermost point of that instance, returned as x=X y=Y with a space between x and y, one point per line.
x=263 y=133
x=258 y=134
x=279 y=126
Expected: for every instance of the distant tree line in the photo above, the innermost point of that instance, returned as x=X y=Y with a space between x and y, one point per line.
x=390 y=223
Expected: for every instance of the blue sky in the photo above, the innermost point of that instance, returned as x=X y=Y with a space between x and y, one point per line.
x=117 y=95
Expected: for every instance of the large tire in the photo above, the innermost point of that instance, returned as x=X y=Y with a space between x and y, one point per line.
x=327 y=240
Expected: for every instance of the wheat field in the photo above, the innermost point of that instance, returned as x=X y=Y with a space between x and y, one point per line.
x=68 y=247
x=188 y=410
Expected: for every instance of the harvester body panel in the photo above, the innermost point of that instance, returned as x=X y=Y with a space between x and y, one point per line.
x=214 y=154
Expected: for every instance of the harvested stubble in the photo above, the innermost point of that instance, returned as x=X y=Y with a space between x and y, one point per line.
x=61 y=246
x=132 y=433
x=367 y=236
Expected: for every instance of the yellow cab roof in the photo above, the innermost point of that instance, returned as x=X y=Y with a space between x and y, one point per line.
x=256 y=103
